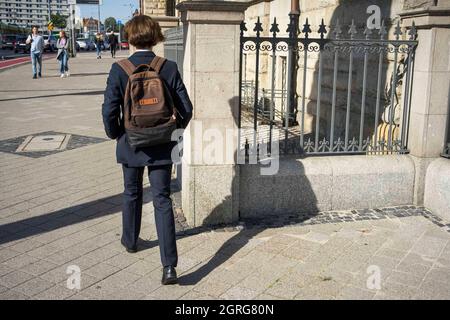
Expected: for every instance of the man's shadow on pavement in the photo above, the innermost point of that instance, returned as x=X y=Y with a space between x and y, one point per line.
x=246 y=234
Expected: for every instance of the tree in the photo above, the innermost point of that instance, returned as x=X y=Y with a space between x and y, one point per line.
x=111 y=24
x=59 y=21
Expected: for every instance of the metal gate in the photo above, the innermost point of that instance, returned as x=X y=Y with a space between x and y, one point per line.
x=173 y=46
x=354 y=99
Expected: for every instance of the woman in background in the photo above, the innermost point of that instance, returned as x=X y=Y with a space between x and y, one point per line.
x=98 y=43
x=63 y=54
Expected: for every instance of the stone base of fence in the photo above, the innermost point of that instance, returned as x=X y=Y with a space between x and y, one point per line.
x=327 y=183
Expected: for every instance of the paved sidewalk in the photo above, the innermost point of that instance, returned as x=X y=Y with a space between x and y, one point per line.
x=61 y=209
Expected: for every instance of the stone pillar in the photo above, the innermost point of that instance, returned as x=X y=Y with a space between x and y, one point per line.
x=211 y=74
x=431 y=87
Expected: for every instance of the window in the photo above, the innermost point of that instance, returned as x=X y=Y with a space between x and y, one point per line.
x=170 y=8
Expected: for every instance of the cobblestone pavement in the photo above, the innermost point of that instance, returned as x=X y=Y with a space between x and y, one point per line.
x=63 y=209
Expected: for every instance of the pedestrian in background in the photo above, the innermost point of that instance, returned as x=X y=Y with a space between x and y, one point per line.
x=98 y=43
x=36 y=50
x=113 y=44
x=63 y=54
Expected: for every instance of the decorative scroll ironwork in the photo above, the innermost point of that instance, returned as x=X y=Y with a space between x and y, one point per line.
x=385 y=133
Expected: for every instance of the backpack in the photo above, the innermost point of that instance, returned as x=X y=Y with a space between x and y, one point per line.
x=149 y=112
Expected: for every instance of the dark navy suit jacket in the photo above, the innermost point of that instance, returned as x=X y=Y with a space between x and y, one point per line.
x=112 y=112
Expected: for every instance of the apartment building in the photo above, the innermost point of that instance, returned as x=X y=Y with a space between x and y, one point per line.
x=26 y=13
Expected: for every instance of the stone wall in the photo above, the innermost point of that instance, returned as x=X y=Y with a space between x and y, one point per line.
x=317 y=184
x=155 y=7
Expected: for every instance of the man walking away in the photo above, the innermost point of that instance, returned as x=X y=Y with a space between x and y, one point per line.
x=144 y=33
x=113 y=44
x=36 y=50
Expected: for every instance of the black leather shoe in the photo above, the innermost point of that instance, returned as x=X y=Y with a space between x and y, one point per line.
x=169 y=276
x=34 y=77
x=130 y=250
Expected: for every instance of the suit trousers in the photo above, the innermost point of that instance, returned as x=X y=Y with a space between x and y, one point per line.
x=159 y=177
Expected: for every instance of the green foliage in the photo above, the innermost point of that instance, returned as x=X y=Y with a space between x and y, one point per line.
x=59 y=21
x=111 y=24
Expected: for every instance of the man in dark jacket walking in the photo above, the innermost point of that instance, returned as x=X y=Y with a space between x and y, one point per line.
x=112 y=39
x=144 y=33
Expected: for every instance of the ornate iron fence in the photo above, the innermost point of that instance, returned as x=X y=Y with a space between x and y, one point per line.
x=174 y=46
x=356 y=98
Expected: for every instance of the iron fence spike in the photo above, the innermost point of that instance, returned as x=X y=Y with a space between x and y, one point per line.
x=412 y=31
x=337 y=30
x=274 y=29
x=352 y=30
x=306 y=28
x=258 y=27
x=322 y=29
x=243 y=27
x=398 y=31
x=367 y=32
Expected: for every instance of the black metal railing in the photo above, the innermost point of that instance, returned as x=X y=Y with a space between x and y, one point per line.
x=355 y=98
x=174 y=46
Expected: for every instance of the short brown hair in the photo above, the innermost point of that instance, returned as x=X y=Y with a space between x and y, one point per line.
x=143 y=32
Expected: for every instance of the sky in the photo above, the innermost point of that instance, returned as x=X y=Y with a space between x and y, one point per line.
x=119 y=9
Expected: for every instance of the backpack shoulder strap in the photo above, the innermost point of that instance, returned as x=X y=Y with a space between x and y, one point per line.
x=127 y=66
x=157 y=63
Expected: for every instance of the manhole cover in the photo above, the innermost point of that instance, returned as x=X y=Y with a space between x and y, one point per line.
x=44 y=143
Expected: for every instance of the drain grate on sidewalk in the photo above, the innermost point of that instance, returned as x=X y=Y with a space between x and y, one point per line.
x=46 y=143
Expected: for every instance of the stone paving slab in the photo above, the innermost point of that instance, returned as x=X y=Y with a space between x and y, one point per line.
x=62 y=210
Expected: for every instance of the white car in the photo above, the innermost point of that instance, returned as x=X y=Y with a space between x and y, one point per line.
x=82 y=44
x=49 y=42
x=85 y=44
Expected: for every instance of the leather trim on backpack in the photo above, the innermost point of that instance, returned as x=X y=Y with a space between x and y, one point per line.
x=127 y=66
x=157 y=63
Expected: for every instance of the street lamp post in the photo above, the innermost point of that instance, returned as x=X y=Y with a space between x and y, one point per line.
x=49 y=16
x=98 y=27
x=131 y=8
x=72 y=29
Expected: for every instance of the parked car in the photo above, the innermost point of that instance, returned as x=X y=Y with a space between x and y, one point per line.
x=21 y=46
x=49 y=43
x=105 y=45
x=8 y=41
x=124 y=45
x=85 y=44
x=81 y=44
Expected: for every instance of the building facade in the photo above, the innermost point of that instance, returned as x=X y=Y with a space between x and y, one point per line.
x=26 y=13
x=90 y=25
x=159 y=7
x=164 y=12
